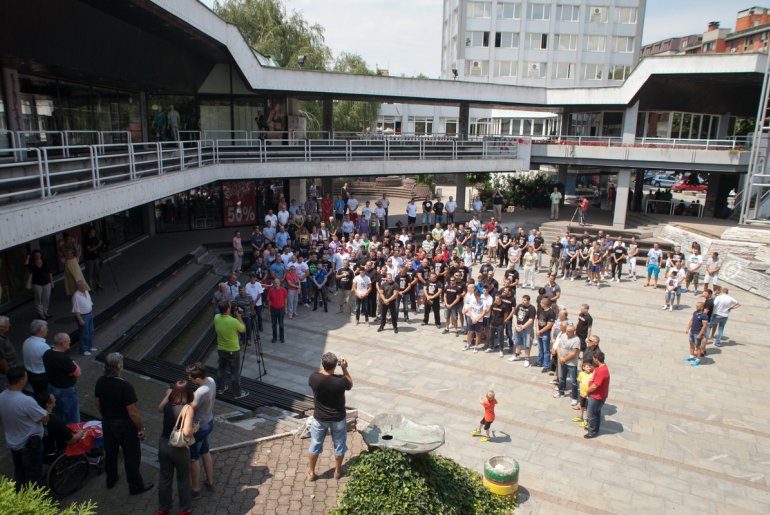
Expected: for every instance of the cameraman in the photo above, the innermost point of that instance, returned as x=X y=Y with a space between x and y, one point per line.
x=244 y=306
x=228 y=327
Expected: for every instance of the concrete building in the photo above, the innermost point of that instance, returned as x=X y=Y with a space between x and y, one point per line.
x=751 y=34
x=671 y=46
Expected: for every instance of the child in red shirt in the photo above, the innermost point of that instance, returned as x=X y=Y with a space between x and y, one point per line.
x=489 y=404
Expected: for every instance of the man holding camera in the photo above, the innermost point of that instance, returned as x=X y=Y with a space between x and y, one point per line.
x=329 y=413
x=228 y=329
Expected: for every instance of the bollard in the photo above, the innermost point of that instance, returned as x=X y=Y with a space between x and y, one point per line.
x=501 y=475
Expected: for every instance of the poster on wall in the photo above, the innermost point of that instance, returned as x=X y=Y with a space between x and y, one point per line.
x=74 y=232
x=239 y=203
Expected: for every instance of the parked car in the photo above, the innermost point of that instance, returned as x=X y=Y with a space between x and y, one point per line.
x=664 y=181
x=689 y=185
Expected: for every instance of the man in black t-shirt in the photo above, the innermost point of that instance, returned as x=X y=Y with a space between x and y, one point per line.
x=503 y=243
x=344 y=278
x=583 y=327
x=509 y=301
x=405 y=283
x=497 y=315
x=523 y=321
x=389 y=298
x=329 y=413
x=62 y=374
x=427 y=207
x=432 y=300
x=545 y=320
x=438 y=210
x=453 y=304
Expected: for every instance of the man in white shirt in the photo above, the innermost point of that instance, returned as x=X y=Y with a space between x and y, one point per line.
x=385 y=203
x=451 y=207
x=411 y=215
x=302 y=270
x=270 y=217
x=254 y=290
x=694 y=264
x=713 y=265
x=449 y=236
x=82 y=308
x=283 y=217
x=362 y=286
x=269 y=231
x=723 y=305
x=32 y=351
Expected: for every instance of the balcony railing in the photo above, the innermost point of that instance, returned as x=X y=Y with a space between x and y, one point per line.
x=738 y=143
x=41 y=172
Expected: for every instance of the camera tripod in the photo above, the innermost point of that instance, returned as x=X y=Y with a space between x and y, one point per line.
x=256 y=338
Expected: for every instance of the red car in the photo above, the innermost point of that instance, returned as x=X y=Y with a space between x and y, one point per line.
x=685 y=185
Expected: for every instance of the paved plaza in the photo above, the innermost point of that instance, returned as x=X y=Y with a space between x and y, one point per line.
x=675 y=439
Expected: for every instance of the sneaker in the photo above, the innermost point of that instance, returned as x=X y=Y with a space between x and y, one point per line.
x=555 y=388
x=544 y=371
x=86 y=353
x=220 y=391
x=466 y=347
x=489 y=349
x=717 y=344
x=526 y=363
x=501 y=354
x=485 y=439
x=558 y=395
x=242 y=395
x=571 y=278
x=695 y=362
x=475 y=350
x=573 y=403
x=688 y=358
x=665 y=307
x=577 y=419
x=671 y=308
x=475 y=433
x=584 y=424
x=94 y=349
x=195 y=495
x=554 y=381
x=445 y=331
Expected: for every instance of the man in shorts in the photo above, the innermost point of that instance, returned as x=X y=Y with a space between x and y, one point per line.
x=713 y=265
x=329 y=413
x=524 y=319
x=696 y=333
x=427 y=208
x=654 y=257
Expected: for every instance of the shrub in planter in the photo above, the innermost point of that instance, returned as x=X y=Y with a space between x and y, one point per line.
x=36 y=500
x=386 y=482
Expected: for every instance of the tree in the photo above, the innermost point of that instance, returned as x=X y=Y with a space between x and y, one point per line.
x=269 y=29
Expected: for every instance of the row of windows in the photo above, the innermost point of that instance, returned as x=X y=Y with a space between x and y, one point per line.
x=535 y=70
x=568 y=42
x=537 y=11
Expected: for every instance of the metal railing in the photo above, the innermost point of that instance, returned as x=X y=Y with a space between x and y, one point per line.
x=669 y=207
x=62 y=140
x=49 y=170
x=737 y=143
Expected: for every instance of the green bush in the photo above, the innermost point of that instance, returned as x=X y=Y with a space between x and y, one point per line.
x=36 y=500
x=387 y=482
x=521 y=190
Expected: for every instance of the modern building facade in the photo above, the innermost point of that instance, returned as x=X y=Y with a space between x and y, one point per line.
x=554 y=43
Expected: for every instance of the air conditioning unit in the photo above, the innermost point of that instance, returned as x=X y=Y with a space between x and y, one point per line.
x=597 y=11
x=534 y=70
x=476 y=64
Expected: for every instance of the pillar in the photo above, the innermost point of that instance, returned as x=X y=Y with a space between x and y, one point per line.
x=561 y=175
x=724 y=125
x=460 y=194
x=148 y=216
x=629 y=123
x=327 y=186
x=298 y=190
x=636 y=204
x=621 y=199
x=463 y=121
x=327 y=118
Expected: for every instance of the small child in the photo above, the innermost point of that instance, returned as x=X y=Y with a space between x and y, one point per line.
x=671 y=285
x=584 y=377
x=489 y=415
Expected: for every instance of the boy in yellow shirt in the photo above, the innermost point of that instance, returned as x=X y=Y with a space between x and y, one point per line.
x=583 y=378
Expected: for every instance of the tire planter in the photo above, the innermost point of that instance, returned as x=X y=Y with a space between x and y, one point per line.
x=501 y=475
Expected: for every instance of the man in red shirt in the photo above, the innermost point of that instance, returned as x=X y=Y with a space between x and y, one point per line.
x=276 y=299
x=598 y=388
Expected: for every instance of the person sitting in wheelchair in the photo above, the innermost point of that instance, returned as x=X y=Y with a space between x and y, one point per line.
x=57 y=435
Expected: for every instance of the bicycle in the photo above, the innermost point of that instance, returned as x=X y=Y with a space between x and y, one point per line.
x=67 y=473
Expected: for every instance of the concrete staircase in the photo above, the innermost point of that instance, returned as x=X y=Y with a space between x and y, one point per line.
x=391 y=186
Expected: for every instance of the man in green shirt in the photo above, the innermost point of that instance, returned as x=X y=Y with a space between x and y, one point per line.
x=228 y=328
x=555 y=201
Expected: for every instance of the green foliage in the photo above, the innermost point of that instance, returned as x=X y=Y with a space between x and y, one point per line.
x=349 y=115
x=387 y=482
x=35 y=500
x=475 y=178
x=273 y=32
x=520 y=190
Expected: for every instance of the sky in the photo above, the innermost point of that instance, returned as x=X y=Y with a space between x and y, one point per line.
x=404 y=36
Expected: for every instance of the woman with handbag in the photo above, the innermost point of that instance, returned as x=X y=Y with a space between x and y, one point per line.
x=173 y=448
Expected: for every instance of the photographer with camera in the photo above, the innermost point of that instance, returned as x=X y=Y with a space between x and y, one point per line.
x=228 y=327
x=329 y=413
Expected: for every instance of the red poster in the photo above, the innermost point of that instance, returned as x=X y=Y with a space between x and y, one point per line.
x=75 y=233
x=240 y=202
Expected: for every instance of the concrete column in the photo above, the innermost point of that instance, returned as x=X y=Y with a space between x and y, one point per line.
x=463 y=121
x=327 y=186
x=13 y=99
x=629 y=123
x=460 y=195
x=561 y=175
x=148 y=218
x=298 y=190
x=636 y=204
x=621 y=199
x=327 y=118
x=724 y=122
x=713 y=200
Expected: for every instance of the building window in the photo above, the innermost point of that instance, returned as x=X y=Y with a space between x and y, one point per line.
x=619 y=72
x=624 y=44
x=627 y=15
x=422 y=124
x=477 y=39
x=568 y=13
x=593 y=72
x=479 y=10
x=537 y=40
x=535 y=70
x=538 y=12
x=566 y=42
x=708 y=47
x=450 y=127
x=598 y=14
x=506 y=68
x=476 y=68
x=507 y=40
x=508 y=11
x=596 y=43
x=564 y=71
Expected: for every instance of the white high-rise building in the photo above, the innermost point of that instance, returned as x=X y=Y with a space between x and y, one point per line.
x=554 y=43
